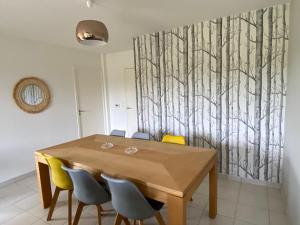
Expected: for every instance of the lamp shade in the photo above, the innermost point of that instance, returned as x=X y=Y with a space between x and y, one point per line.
x=91 y=32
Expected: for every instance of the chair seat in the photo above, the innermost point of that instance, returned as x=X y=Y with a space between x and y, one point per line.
x=156 y=205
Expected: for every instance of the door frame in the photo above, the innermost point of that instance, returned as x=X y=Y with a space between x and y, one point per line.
x=126 y=100
x=103 y=86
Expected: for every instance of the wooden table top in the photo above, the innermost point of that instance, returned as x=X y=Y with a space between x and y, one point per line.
x=167 y=167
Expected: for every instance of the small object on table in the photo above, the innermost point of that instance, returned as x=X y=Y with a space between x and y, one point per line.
x=107 y=145
x=131 y=150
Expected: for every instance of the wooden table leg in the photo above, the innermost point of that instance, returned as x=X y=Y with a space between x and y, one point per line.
x=43 y=178
x=176 y=210
x=213 y=192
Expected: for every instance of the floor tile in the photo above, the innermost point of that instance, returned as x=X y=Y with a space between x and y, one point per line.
x=228 y=193
x=226 y=208
x=14 y=193
x=276 y=205
x=275 y=193
x=9 y=212
x=203 y=189
x=108 y=219
x=28 y=202
x=55 y=221
x=278 y=219
x=240 y=222
x=38 y=211
x=254 y=188
x=88 y=221
x=219 y=220
x=199 y=201
x=39 y=222
x=253 y=199
x=28 y=181
x=252 y=215
x=225 y=182
x=238 y=204
x=193 y=215
x=21 y=219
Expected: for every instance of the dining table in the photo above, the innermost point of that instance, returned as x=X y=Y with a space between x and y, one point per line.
x=168 y=173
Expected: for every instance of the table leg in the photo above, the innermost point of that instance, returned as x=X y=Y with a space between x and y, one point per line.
x=213 y=192
x=43 y=178
x=176 y=210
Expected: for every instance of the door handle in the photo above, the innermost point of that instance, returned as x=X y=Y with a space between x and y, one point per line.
x=128 y=107
x=81 y=111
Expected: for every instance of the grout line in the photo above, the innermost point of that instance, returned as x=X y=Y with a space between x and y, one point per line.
x=269 y=216
x=6 y=221
x=236 y=204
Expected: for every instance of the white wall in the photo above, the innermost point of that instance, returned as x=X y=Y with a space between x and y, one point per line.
x=292 y=148
x=22 y=133
x=115 y=65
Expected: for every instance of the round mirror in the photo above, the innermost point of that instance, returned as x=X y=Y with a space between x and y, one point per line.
x=32 y=95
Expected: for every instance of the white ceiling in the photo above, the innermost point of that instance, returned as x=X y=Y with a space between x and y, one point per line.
x=54 y=21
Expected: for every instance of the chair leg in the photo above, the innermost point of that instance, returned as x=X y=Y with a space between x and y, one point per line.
x=126 y=221
x=78 y=213
x=53 y=203
x=99 y=210
x=159 y=219
x=141 y=222
x=70 y=207
x=118 y=219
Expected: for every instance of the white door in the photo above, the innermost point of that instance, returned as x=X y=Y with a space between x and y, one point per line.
x=89 y=92
x=129 y=78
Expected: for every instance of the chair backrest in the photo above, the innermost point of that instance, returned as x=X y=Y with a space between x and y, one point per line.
x=141 y=135
x=86 y=188
x=180 y=140
x=60 y=177
x=118 y=133
x=128 y=200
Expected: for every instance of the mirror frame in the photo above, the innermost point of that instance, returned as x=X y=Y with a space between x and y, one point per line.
x=17 y=94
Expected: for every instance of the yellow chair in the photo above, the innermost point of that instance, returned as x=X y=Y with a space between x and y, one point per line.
x=63 y=182
x=180 y=140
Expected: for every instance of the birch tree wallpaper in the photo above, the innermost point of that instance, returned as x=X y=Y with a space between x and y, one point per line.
x=221 y=84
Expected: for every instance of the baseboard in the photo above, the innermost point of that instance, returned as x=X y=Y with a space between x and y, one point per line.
x=250 y=181
x=18 y=178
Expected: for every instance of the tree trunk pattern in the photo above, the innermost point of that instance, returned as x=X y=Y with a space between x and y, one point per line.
x=221 y=84
x=202 y=84
x=282 y=91
x=238 y=98
x=186 y=83
x=219 y=91
x=227 y=92
x=158 y=78
x=258 y=90
x=268 y=102
x=247 y=96
x=139 y=47
x=164 y=81
x=193 y=88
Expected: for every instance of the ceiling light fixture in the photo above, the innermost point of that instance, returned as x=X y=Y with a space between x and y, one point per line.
x=89 y=3
x=91 y=32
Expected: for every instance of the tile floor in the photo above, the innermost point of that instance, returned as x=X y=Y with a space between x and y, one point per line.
x=238 y=204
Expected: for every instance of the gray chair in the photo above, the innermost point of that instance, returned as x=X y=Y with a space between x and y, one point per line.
x=88 y=192
x=141 y=135
x=118 y=133
x=130 y=203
